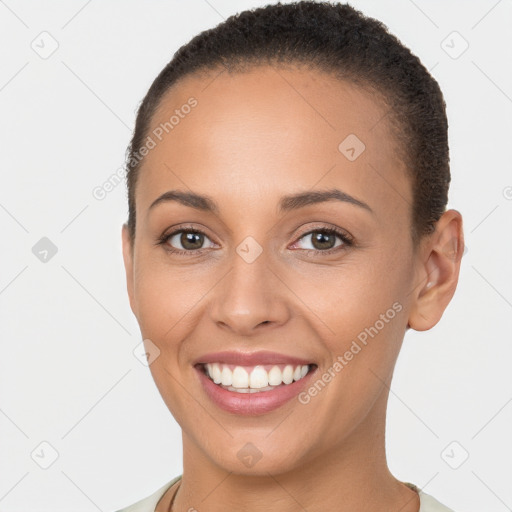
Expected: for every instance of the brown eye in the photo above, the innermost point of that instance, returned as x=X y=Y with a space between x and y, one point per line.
x=186 y=240
x=322 y=240
x=191 y=240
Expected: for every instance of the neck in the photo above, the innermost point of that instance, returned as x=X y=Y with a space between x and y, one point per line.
x=353 y=475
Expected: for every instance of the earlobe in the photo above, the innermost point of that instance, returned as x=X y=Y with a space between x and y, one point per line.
x=128 y=264
x=438 y=272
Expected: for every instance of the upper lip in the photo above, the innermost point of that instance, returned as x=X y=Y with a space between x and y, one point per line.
x=250 y=359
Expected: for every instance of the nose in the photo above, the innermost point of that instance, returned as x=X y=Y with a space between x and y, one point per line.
x=251 y=296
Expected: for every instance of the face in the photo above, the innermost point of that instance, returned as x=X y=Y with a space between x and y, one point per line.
x=259 y=272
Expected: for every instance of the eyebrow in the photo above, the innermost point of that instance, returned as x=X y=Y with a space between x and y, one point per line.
x=287 y=203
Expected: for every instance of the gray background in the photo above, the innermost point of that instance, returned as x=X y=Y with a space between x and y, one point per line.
x=68 y=374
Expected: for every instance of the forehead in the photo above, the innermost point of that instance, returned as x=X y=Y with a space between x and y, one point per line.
x=270 y=131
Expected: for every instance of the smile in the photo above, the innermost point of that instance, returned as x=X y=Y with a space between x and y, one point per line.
x=254 y=379
x=253 y=390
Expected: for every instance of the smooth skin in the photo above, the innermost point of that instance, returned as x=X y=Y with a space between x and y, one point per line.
x=252 y=138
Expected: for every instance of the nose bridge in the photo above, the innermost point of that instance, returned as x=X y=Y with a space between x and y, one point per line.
x=250 y=294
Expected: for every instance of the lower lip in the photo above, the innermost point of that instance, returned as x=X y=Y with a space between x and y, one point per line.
x=252 y=404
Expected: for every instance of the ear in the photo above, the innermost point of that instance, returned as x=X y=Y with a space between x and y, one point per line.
x=438 y=271
x=128 y=264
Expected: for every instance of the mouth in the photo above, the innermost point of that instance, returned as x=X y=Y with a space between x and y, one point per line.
x=253 y=390
x=256 y=378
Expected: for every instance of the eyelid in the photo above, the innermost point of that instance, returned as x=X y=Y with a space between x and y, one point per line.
x=325 y=226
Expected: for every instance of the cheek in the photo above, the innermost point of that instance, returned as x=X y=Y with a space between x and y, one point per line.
x=168 y=300
x=376 y=315
x=347 y=298
x=169 y=307
x=359 y=313
x=367 y=319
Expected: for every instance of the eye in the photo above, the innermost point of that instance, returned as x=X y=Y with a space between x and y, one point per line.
x=323 y=239
x=190 y=241
x=184 y=241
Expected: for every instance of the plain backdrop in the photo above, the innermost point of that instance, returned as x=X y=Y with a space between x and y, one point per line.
x=75 y=398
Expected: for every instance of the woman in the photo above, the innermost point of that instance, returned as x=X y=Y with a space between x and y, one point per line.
x=287 y=186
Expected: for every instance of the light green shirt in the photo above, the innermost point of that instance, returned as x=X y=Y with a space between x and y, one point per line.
x=427 y=502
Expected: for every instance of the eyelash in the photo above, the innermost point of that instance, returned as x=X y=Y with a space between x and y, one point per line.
x=345 y=238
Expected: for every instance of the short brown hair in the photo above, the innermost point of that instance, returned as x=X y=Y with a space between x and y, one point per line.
x=338 y=39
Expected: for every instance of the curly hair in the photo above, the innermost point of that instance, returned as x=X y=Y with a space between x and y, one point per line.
x=339 y=40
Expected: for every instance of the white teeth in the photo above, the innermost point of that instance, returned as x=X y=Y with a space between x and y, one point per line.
x=275 y=377
x=227 y=377
x=241 y=380
x=258 y=378
x=288 y=374
x=216 y=374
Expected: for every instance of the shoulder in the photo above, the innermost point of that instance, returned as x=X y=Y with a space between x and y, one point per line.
x=427 y=502
x=430 y=504
x=148 y=504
